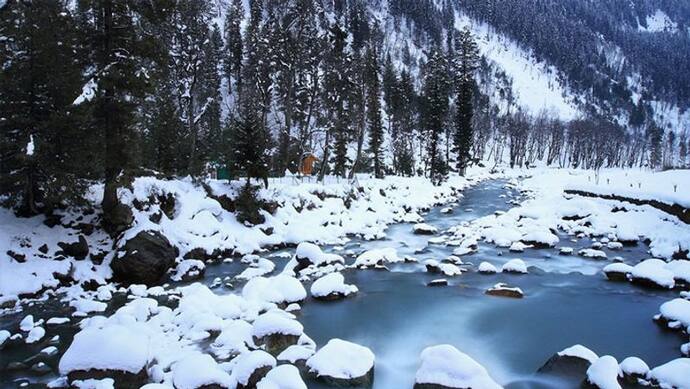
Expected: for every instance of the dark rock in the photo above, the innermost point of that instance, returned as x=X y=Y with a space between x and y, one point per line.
x=16 y=366
x=79 y=249
x=123 y=379
x=43 y=249
x=21 y=258
x=437 y=283
x=117 y=219
x=156 y=217
x=365 y=381
x=566 y=367
x=97 y=258
x=145 y=259
x=276 y=343
x=52 y=220
x=617 y=276
x=40 y=368
x=86 y=228
x=255 y=377
x=503 y=290
x=333 y=296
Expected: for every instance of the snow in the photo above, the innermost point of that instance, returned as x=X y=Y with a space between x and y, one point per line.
x=676 y=310
x=514 y=266
x=235 y=337
x=295 y=353
x=105 y=383
x=448 y=269
x=333 y=283
x=603 y=373
x=659 y=21
x=27 y=323
x=654 y=270
x=85 y=306
x=114 y=347
x=447 y=366
x=276 y=322
x=35 y=334
x=315 y=255
x=30 y=146
x=634 y=366
x=341 y=359
x=680 y=270
x=375 y=256
x=279 y=289
x=592 y=253
x=197 y=370
x=188 y=267
x=88 y=92
x=53 y=321
x=518 y=247
x=282 y=377
x=673 y=374
x=535 y=84
x=486 y=267
x=618 y=268
x=579 y=351
x=4 y=335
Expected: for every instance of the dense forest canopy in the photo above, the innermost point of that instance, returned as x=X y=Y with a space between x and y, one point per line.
x=103 y=90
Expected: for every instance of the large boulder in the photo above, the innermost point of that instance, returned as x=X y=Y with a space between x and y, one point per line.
x=342 y=363
x=570 y=364
x=118 y=219
x=115 y=351
x=78 y=250
x=144 y=259
x=445 y=367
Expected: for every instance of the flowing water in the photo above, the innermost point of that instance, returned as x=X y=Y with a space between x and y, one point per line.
x=567 y=301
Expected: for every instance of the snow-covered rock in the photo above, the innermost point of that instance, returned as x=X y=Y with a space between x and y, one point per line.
x=282 y=377
x=445 y=367
x=571 y=362
x=487 y=268
x=603 y=373
x=565 y=250
x=251 y=367
x=424 y=229
x=189 y=270
x=435 y=267
x=653 y=273
x=633 y=368
x=438 y=282
x=144 y=258
x=514 y=266
x=673 y=374
x=199 y=371
x=377 y=257
x=343 y=363
x=120 y=351
x=675 y=313
x=504 y=290
x=27 y=323
x=308 y=254
x=35 y=334
x=281 y=289
x=617 y=271
x=592 y=253
x=332 y=287
x=235 y=338
x=276 y=330
x=681 y=271
x=518 y=247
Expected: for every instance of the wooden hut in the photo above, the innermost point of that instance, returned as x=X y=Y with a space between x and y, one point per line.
x=306 y=164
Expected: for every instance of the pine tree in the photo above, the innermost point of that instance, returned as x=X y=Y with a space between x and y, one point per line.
x=374 y=111
x=465 y=66
x=249 y=143
x=435 y=109
x=211 y=126
x=119 y=53
x=43 y=153
x=233 y=44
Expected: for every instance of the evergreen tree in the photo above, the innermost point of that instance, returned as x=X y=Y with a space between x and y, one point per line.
x=43 y=156
x=374 y=111
x=249 y=143
x=434 y=112
x=465 y=66
x=233 y=44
